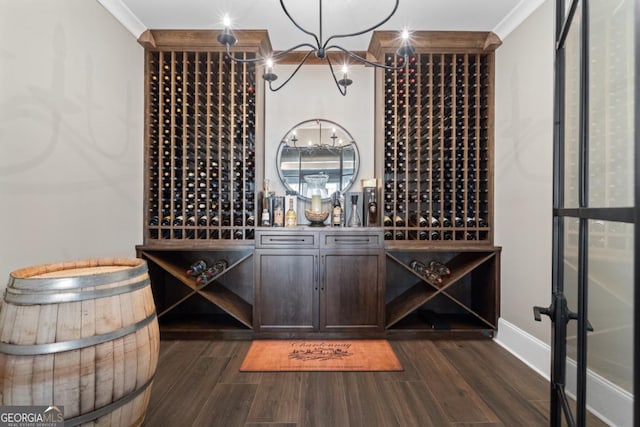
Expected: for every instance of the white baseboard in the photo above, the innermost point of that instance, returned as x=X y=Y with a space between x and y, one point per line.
x=607 y=401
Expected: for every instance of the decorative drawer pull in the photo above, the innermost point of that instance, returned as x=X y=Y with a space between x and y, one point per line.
x=288 y=239
x=338 y=240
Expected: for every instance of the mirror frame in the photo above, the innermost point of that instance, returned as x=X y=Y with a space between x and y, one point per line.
x=351 y=142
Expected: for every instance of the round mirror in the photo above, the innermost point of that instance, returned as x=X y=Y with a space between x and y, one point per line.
x=314 y=147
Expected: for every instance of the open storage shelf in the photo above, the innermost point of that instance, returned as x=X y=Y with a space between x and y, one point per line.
x=466 y=300
x=223 y=305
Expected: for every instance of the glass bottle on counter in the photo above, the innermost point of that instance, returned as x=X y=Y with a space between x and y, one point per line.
x=372 y=210
x=278 y=212
x=354 y=217
x=336 y=211
x=292 y=217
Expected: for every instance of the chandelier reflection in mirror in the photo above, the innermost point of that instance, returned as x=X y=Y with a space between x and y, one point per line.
x=320 y=49
x=314 y=147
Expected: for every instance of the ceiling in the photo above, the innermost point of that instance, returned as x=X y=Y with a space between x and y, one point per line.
x=339 y=16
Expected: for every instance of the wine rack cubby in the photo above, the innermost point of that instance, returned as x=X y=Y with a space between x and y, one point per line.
x=201 y=131
x=220 y=307
x=436 y=128
x=464 y=302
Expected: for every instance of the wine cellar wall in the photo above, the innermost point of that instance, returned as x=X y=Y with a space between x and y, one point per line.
x=436 y=269
x=434 y=113
x=437 y=136
x=201 y=118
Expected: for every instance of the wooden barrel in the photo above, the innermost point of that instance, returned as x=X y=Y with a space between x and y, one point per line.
x=82 y=334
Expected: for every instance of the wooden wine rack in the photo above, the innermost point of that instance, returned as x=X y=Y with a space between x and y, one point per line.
x=201 y=131
x=436 y=115
x=434 y=124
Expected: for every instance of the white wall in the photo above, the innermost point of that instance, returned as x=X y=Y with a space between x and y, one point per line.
x=312 y=94
x=71 y=132
x=523 y=168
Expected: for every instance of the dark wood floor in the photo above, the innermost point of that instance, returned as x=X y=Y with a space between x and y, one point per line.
x=444 y=383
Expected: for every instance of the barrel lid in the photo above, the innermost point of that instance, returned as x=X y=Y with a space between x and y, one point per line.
x=77 y=274
x=82 y=271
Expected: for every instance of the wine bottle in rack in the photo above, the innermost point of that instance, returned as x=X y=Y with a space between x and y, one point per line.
x=191 y=222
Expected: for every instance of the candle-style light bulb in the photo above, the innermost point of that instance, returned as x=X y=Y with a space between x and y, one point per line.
x=225 y=37
x=405 y=48
x=345 y=80
x=226 y=21
x=268 y=71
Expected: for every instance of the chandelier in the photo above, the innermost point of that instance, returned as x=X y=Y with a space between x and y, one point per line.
x=318 y=135
x=320 y=48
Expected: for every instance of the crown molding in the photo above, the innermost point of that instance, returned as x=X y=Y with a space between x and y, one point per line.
x=124 y=15
x=516 y=17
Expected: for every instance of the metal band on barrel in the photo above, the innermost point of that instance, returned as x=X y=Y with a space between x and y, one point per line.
x=37 y=283
x=19 y=297
x=89 y=416
x=58 y=347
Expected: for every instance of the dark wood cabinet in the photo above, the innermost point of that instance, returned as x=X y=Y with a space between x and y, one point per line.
x=324 y=281
x=287 y=290
x=352 y=294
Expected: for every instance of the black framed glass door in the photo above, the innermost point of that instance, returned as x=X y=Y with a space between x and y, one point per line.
x=596 y=192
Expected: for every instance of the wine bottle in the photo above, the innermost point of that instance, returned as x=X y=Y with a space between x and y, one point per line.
x=336 y=211
x=372 y=209
x=291 y=217
x=266 y=219
x=278 y=213
x=197 y=268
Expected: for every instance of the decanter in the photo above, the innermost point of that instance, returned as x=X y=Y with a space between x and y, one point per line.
x=354 y=217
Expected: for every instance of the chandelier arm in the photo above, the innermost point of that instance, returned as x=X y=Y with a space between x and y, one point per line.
x=363 y=31
x=292 y=74
x=343 y=90
x=241 y=60
x=364 y=60
x=263 y=58
x=284 y=52
x=286 y=12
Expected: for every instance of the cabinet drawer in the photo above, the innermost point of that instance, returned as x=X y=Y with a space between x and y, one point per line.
x=352 y=240
x=290 y=240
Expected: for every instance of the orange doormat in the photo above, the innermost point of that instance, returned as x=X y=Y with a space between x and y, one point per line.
x=326 y=355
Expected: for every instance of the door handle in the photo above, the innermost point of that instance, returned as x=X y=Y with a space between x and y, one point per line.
x=558 y=311
x=315 y=271
x=538 y=311
x=323 y=275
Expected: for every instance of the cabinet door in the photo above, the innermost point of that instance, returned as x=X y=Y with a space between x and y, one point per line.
x=351 y=290
x=286 y=295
